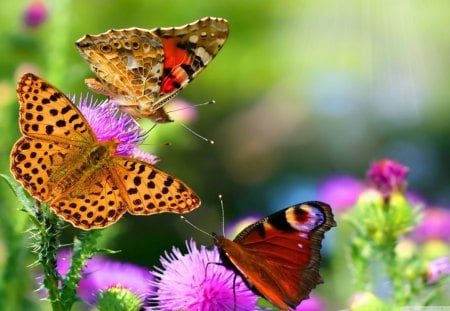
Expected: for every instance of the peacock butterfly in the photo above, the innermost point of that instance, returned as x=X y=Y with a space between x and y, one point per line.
x=279 y=256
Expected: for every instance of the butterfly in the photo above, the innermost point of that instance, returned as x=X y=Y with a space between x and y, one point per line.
x=141 y=69
x=60 y=161
x=279 y=256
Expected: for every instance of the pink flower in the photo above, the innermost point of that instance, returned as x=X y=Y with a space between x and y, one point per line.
x=35 y=14
x=181 y=110
x=101 y=274
x=313 y=303
x=108 y=123
x=434 y=226
x=340 y=191
x=437 y=269
x=388 y=176
x=197 y=281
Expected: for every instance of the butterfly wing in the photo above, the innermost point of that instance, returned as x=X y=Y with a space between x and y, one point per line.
x=47 y=114
x=279 y=256
x=149 y=190
x=128 y=64
x=188 y=50
x=55 y=132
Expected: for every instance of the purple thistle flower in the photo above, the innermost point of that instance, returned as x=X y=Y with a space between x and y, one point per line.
x=434 y=225
x=388 y=176
x=144 y=156
x=340 y=191
x=101 y=274
x=108 y=123
x=195 y=281
x=35 y=14
x=437 y=269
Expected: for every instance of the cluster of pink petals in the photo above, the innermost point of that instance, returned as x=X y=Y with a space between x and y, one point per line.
x=437 y=269
x=101 y=274
x=108 y=124
x=35 y=13
x=198 y=281
x=388 y=176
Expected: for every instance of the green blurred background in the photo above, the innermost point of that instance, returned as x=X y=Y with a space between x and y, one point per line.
x=303 y=90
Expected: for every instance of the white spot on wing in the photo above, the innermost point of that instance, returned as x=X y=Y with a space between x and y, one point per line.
x=131 y=62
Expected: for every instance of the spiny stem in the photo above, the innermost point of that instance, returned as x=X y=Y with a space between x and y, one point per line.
x=48 y=245
x=84 y=248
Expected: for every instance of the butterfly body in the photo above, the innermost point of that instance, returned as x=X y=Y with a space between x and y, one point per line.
x=142 y=69
x=279 y=256
x=59 y=160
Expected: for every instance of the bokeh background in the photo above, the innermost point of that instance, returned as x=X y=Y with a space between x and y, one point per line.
x=303 y=89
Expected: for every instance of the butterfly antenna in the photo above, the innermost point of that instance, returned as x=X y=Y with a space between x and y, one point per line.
x=196 y=134
x=223 y=214
x=195 y=227
x=148 y=131
x=209 y=102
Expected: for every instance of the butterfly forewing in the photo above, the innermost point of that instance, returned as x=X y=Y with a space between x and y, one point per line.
x=280 y=255
x=46 y=113
x=188 y=50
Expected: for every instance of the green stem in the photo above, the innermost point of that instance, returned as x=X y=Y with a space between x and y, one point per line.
x=49 y=242
x=394 y=272
x=84 y=248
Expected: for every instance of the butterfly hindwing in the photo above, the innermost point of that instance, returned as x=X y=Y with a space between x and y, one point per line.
x=94 y=202
x=149 y=190
x=279 y=256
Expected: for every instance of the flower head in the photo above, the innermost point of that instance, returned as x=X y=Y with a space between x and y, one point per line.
x=108 y=123
x=196 y=281
x=35 y=14
x=388 y=176
x=341 y=191
x=437 y=269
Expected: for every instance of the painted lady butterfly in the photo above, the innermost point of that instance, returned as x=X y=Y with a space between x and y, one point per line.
x=142 y=69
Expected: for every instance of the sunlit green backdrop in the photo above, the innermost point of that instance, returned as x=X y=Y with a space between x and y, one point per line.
x=303 y=90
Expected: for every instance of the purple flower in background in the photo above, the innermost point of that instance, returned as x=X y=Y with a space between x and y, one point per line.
x=313 y=303
x=437 y=269
x=388 y=176
x=194 y=281
x=101 y=274
x=108 y=123
x=340 y=191
x=235 y=227
x=181 y=110
x=434 y=225
x=35 y=14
